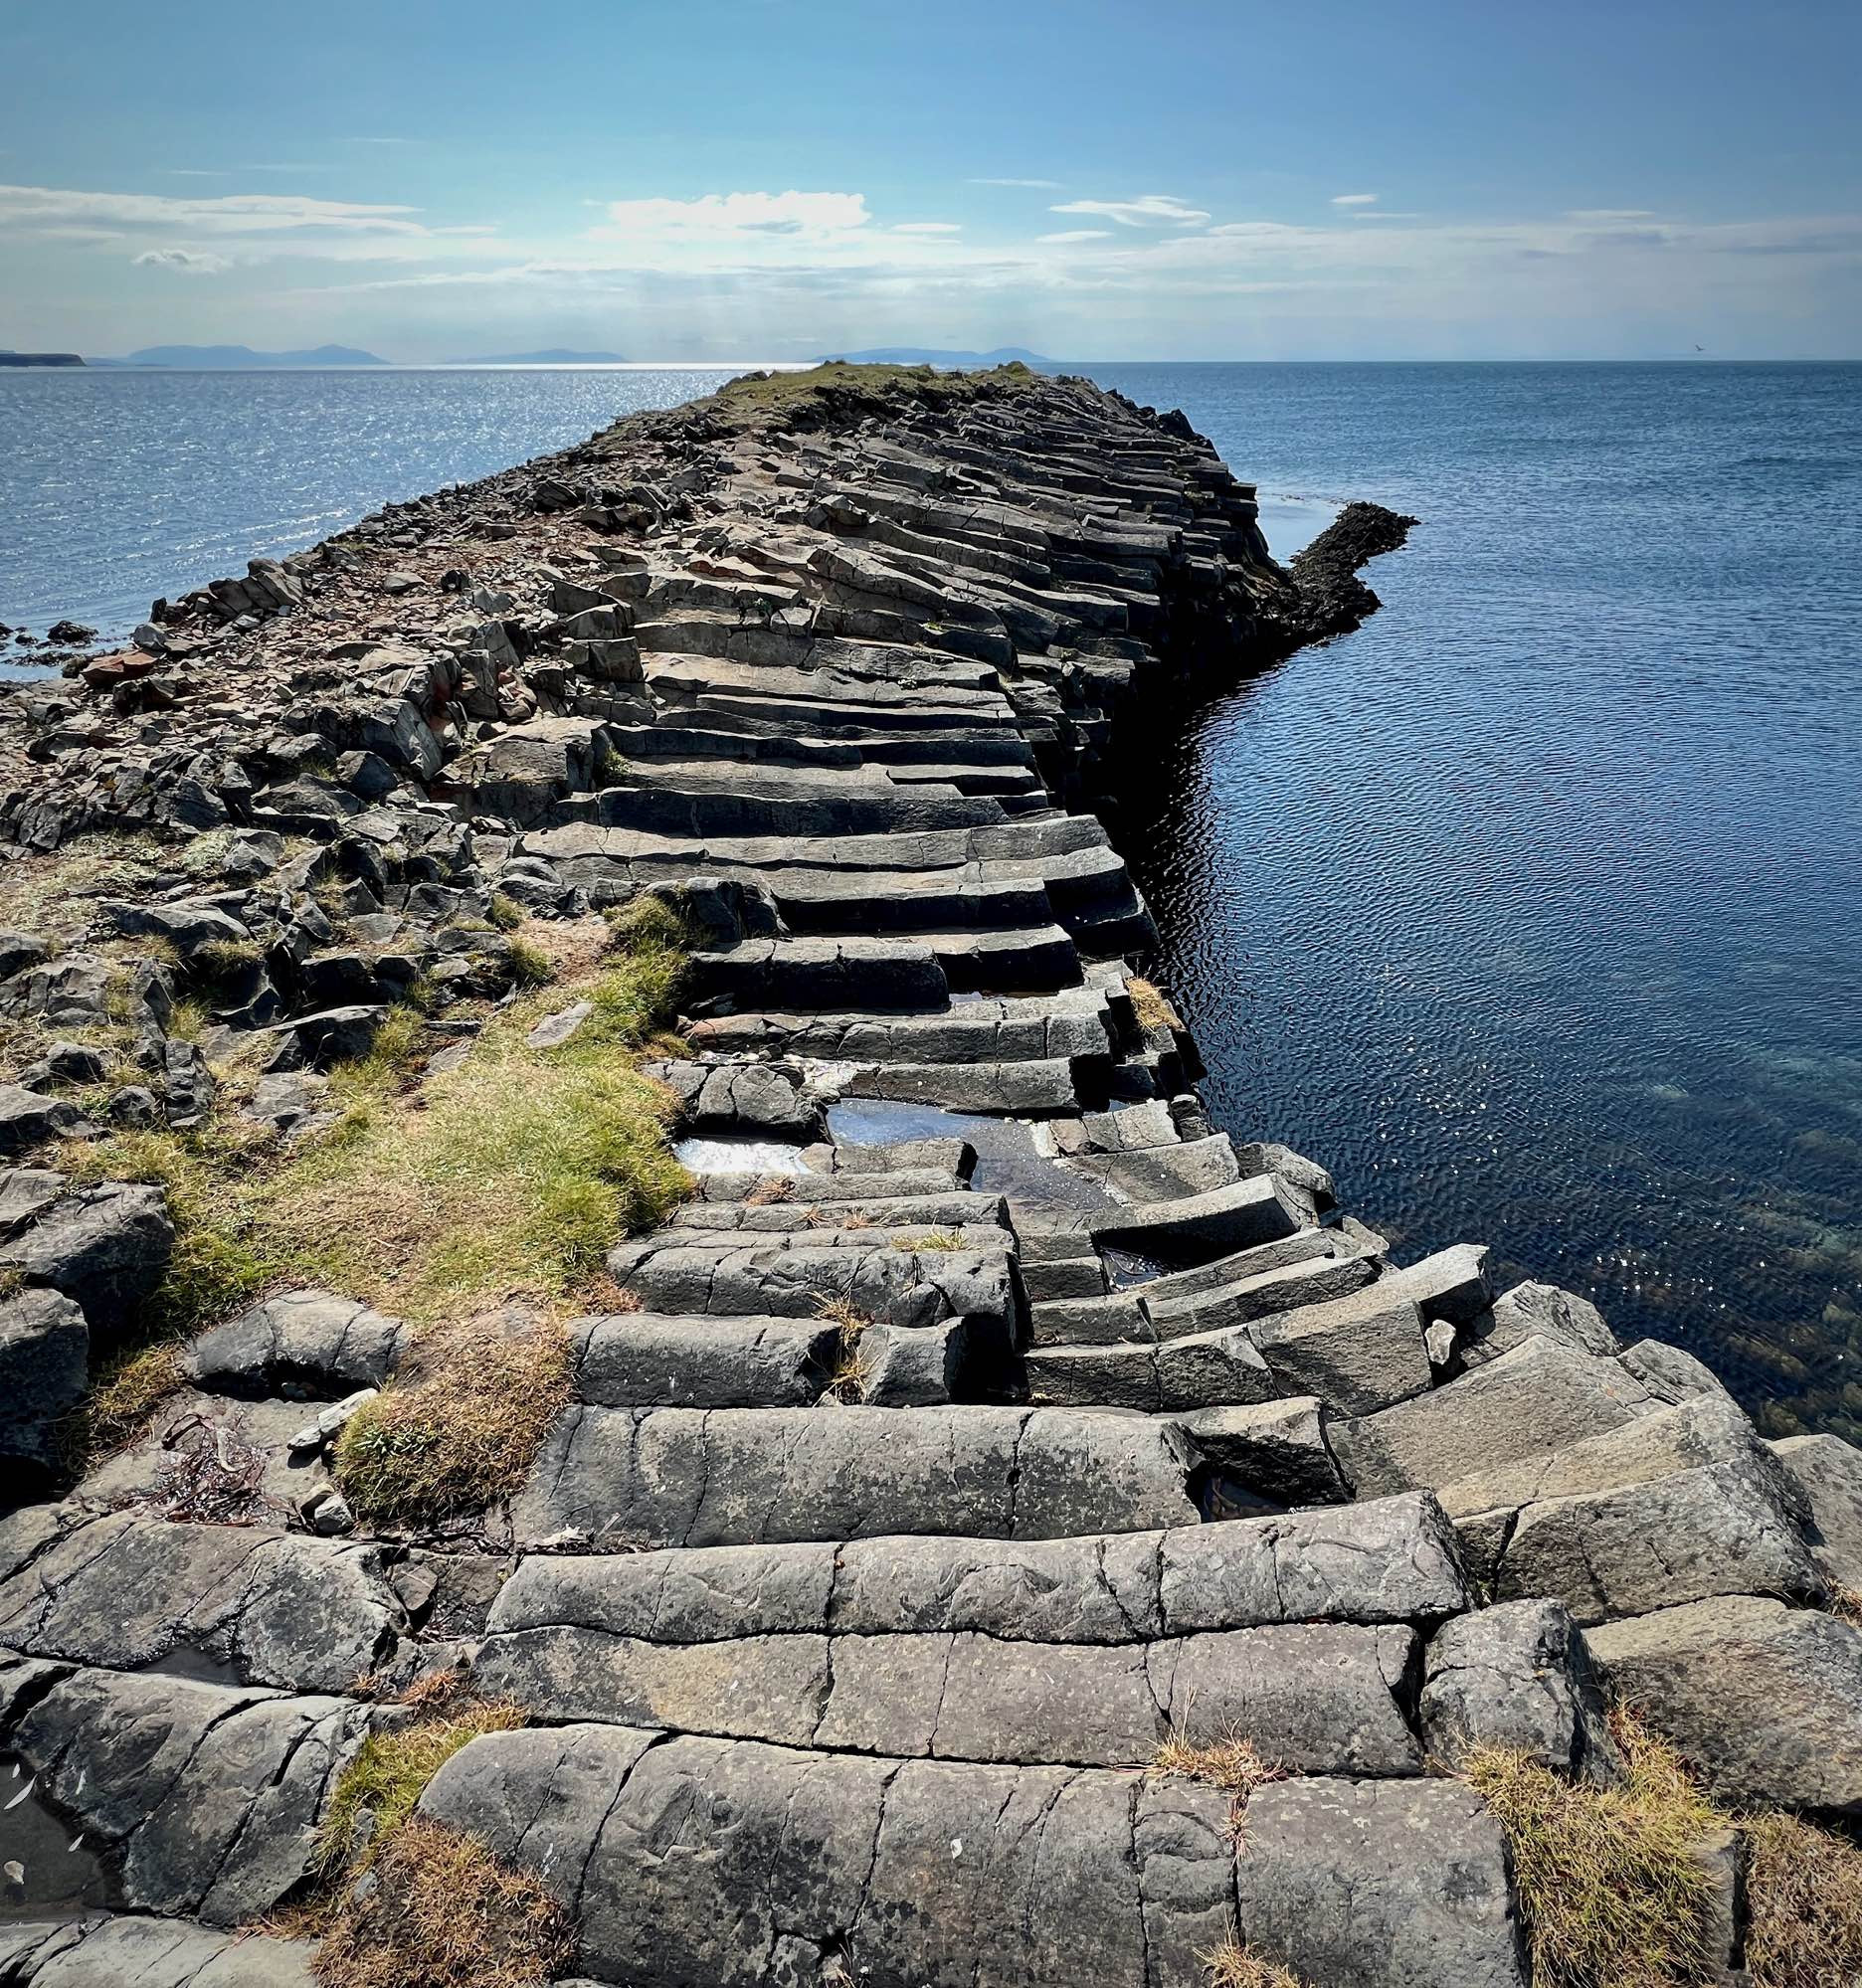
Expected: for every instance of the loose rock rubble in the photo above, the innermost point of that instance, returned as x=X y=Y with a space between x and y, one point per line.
x=995 y=1419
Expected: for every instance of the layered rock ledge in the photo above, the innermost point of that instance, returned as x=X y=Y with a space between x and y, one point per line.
x=982 y=1423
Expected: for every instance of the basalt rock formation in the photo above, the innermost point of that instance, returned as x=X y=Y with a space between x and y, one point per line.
x=985 y=1420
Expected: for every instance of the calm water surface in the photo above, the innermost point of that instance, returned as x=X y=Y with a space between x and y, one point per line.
x=1535 y=908
x=1532 y=909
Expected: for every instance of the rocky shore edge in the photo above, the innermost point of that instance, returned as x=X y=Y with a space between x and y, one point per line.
x=628 y=1358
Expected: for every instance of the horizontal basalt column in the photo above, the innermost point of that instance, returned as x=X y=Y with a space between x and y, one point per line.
x=688 y=1476
x=700 y=1863
x=1319 y=1697
x=1391 y=1559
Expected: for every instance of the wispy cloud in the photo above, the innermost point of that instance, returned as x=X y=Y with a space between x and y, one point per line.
x=1077 y=235
x=1148 y=210
x=744 y=214
x=1354 y=200
x=928 y=228
x=38 y=207
x=189 y=262
x=1040 y=185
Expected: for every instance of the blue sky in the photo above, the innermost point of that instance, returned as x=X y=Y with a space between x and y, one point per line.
x=742 y=179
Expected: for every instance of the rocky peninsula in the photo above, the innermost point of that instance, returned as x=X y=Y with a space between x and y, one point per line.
x=627 y=1356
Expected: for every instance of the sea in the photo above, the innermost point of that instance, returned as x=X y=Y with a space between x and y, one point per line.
x=1532 y=909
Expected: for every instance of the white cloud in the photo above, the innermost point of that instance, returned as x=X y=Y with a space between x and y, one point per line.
x=1077 y=235
x=1148 y=210
x=1354 y=200
x=928 y=228
x=189 y=262
x=1043 y=185
x=748 y=213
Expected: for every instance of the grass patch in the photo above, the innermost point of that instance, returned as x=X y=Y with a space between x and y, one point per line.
x=376 y=1793
x=505 y=911
x=219 y=961
x=934 y=1239
x=1230 y=1762
x=443 y=1912
x=515 y=1172
x=1803 y=1894
x=1610 y=1894
x=129 y=1395
x=1153 y=1008
x=530 y=966
x=439 y=1910
x=853 y=1370
x=460 y=1424
x=1232 y=1965
x=837 y=382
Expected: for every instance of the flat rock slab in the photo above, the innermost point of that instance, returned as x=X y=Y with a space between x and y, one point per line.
x=723 y=1864
x=1764 y=1700
x=641 y=1360
x=1232 y=1217
x=128 y=1951
x=1389 y=1560
x=126 y=1591
x=1314 y=1696
x=312 y=1340
x=1538 y=1397
x=1378 y=1885
x=1828 y=1472
x=206 y=1796
x=739 y=1476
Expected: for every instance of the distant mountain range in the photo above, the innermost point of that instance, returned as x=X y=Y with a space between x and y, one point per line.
x=555 y=356
x=925 y=355
x=229 y=358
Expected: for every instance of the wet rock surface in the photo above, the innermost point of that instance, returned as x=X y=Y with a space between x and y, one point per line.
x=985 y=1419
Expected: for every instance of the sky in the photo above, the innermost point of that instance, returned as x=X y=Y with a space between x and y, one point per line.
x=782 y=179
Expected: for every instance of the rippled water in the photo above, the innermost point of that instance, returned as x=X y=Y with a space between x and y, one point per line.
x=1534 y=909
x=1531 y=909
x=118 y=486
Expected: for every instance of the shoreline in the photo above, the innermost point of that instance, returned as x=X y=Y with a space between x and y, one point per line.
x=1019 y=1427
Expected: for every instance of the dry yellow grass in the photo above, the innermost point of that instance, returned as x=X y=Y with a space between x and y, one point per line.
x=1804 y=1896
x=460 y=1424
x=1611 y=1892
x=1232 y=1965
x=441 y=1912
x=1228 y=1762
x=849 y=1379
x=1154 y=1009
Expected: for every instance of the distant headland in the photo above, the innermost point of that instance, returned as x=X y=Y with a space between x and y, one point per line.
x=40 y=359
x=925 y=355
x=223 y=358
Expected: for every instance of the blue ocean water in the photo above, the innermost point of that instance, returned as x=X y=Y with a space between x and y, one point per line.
x=1533 y=908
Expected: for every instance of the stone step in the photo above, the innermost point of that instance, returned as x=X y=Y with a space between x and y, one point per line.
x=686 y=1270
x=1319 y=1697
x=997 y=1876
x=642 y=1360
x=1356 y=1356
x=699 y=805
x=1236 y=1216
x=940 y=1213
x=1055 y=1084
x=868 y=901
x=831 y=974
x=681 y=1477
x=1074 y=1022
x=808 y=1189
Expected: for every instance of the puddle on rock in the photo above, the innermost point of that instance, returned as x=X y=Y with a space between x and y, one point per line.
x=1126 y=1269
x=195 y=1665
x=40 y=1875
x=738 y=1156
x=1008 y=1159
